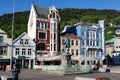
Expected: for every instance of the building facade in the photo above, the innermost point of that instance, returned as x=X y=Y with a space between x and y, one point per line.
x=44 y=29
x=113 y=50
x=24 y=51
x=74 y=47
x=92 y=47
x=5 y=49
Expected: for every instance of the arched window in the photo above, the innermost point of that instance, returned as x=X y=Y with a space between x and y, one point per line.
x=53 y=14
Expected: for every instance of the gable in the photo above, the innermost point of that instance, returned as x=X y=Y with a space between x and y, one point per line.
x=23 y=36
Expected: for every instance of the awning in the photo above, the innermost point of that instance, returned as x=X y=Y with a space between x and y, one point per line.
x=4 y=60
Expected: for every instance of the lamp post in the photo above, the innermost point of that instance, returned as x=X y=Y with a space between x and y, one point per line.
x=12 y=34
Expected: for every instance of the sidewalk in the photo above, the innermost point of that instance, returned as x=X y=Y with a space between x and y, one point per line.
x=30 y=74
x=114 y=69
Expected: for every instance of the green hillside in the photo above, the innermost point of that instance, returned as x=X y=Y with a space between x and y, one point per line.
x=21 y=20
x=69 y=16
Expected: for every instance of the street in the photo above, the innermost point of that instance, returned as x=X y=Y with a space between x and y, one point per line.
x=30 y=74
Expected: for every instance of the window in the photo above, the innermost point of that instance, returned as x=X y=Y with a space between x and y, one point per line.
x=26 y=41
x=21 y=41
x=53 y=14
x=72 y=52
x=17 y=51
x=23 y=51
x=94 y=62
x=51 y=35
x=1 y=38
x=76 y=42
x=63 y=51
x=42 y=46
x=54 y=47
x=29 y=51
x=3 y=50
x=90 y=42
x=88 y=62
x=42 y=35
x=72 y=42
x=51 y=47
x=54 y=36
x=42 y=25
x=93 y=42
x=39 y=24
x=76 y=52
x=83 y=33
x=83 y=62
x=93 y=34
x=54 y=26
x=63 y=41
x=45 y=25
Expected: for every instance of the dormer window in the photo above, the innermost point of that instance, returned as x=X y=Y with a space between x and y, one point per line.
x=21 y=41
x=26 y=41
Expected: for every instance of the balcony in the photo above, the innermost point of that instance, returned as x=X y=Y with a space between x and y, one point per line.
x=93 y=47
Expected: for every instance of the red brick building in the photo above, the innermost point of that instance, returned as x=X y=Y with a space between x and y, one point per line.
x=44 y=29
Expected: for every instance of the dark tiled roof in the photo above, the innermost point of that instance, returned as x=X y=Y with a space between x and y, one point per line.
x=42 y=12
x=72 y=36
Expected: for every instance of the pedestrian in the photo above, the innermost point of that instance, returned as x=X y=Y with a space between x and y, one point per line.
x=15 y=72
x=3 y=67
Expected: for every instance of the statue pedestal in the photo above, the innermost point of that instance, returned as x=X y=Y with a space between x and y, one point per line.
x=66 y=60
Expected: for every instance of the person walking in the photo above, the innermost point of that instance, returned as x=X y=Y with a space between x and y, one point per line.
x=15 y=72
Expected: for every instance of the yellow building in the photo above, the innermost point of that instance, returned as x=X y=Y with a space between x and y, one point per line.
x=74 y=47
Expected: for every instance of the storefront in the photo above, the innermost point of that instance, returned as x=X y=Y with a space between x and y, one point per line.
x=25 y=62
x=4 y=62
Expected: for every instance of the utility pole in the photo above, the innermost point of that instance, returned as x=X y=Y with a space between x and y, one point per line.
x=12 y=34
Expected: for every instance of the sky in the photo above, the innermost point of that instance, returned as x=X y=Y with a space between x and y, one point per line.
x=6 y=6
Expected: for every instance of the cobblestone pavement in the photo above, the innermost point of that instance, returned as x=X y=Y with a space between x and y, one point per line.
x=29 y=74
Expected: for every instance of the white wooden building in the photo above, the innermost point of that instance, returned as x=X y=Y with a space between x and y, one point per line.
x=24 y=51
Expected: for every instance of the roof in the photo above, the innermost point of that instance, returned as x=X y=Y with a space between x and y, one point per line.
x=41 y=12
x=72 y=36
x=84 y=24
x=111 y=40
x=23 y=34
x=2 y=32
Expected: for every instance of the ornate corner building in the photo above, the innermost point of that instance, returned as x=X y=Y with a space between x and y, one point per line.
x=44 y=29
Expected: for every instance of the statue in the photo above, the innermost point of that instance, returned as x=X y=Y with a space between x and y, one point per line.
x=66 y=57
x=67 y=45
